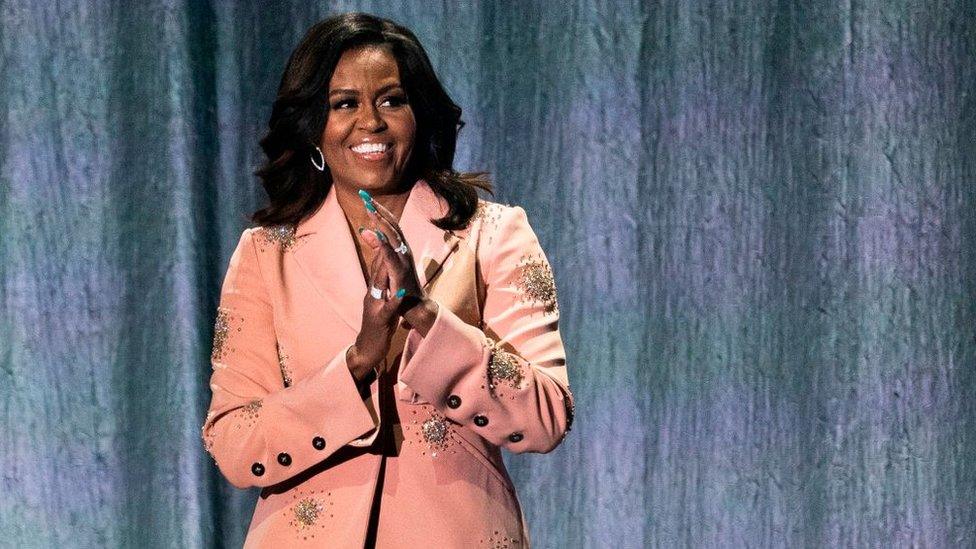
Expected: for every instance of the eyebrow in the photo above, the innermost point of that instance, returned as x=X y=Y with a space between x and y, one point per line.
x=354 y=92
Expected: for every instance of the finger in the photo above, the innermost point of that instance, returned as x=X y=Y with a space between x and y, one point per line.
x=379 y=274
x=388 y=220
x=369 y=236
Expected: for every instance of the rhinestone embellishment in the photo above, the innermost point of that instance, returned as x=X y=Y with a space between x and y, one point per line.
x=437 y=433
x=307 y=511
x=282 y=236
x=310 y=513
x=536 y=283
x=283 y=365
x=503 y=367
x=222 y=331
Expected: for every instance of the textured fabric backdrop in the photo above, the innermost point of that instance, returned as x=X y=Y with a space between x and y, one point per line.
x=760 y=216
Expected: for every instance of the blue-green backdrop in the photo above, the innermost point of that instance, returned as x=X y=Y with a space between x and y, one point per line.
x=760 y=215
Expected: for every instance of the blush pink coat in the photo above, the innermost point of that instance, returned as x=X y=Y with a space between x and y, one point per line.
x=424 y=438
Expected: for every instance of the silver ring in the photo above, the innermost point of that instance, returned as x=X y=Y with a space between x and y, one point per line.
x=401 y=249
x=375 y=292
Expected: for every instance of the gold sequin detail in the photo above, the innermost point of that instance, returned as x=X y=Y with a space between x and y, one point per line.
x=221 y=330
x=207 y=436
x=535 y=282
x=307 y=511
x=310 y=511
x=503 y=367
x=282 y=236
x=283 y=365
x=436 y=432
x=570 y=403
x=499 y=541
x=249 y=413
x=488 y=213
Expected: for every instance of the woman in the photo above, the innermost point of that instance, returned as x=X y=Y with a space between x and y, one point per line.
x=383 y=332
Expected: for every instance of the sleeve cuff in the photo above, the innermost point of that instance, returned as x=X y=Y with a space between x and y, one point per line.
x=438 y=361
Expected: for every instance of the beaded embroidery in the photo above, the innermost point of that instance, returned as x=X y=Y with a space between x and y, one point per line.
x=283 y=365
x=503 y=367
x=222 y=330
x=535 y=282
x=435 y=431
x=282 y=236
x=309 y=512
x=498 y=541
x=570 y=403
x=488 y=213
x=207 y=436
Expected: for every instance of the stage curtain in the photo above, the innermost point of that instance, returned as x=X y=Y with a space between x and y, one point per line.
x=761 y=217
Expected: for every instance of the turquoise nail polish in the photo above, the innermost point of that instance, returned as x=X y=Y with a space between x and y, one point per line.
x=380 y=236
x=365 y=196
x=401 y=292
x=370 y=208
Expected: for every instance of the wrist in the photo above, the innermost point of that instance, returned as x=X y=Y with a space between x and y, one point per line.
x=421 y=315
x=357 y=366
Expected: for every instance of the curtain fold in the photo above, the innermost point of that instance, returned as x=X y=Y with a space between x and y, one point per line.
x=760 y=216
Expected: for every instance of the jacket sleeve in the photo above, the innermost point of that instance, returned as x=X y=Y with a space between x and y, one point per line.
x=506 y=380
x=259 y=431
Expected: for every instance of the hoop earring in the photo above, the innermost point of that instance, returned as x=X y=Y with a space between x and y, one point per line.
x=322 y=156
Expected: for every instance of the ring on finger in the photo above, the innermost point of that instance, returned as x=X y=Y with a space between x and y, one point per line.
x=402 y=248
x=375 y=292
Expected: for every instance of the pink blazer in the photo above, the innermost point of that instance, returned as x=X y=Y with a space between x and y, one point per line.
x=287 y=415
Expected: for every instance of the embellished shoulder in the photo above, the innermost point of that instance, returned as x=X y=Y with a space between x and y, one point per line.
x=485 y=218
x=508 y=244
x=280 y=237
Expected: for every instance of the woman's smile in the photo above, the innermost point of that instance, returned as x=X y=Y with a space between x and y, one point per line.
x=373 y=152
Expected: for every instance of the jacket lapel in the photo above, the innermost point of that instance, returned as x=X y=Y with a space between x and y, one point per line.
x=328 y=256
x=429 y=244
x=329 y=259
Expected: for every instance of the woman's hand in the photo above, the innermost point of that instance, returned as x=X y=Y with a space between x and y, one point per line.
x=415 y=307
x=379 y=318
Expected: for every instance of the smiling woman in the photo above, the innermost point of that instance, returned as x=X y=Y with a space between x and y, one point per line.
x=382 y=332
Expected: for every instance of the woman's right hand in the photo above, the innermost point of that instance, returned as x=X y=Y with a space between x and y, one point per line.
x=379 y=316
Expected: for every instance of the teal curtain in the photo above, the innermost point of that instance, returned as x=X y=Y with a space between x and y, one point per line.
x=761 y=217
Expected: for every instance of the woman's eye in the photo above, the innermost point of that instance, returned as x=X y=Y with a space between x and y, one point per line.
x=396 y=100
x=340 y=104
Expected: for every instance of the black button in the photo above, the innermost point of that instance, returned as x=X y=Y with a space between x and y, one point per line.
x=515 y=437
x=284 y=459
x=453 y=401
x=318 y=443
x=257 y=469
x=480 y=421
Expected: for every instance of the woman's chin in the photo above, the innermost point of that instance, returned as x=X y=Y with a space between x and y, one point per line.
x=378 y=182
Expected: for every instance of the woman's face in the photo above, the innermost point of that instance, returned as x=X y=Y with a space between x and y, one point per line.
x=370 y=129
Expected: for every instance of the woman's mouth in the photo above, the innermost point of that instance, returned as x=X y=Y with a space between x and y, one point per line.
x=372 y=152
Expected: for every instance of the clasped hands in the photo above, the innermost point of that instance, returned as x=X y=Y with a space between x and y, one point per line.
x=393 y=278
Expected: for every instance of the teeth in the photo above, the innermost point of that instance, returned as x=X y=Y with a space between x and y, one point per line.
x=370 y=148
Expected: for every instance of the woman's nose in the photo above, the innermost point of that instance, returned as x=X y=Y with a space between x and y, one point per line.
x=370 y=120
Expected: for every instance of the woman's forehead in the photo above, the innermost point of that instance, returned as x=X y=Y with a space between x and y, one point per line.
x=367 y=65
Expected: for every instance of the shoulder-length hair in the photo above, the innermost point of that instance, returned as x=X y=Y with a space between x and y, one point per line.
x=294 y=186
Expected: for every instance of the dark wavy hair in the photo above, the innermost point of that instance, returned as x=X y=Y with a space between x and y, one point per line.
x=295 y=187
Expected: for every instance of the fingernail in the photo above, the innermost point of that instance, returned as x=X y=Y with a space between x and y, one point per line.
x=369 y=207
x=380 y=236
x=401 y=292
x=365 y=196
x=361 y=229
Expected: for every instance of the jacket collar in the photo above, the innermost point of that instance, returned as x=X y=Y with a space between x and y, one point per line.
x=328 y=254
